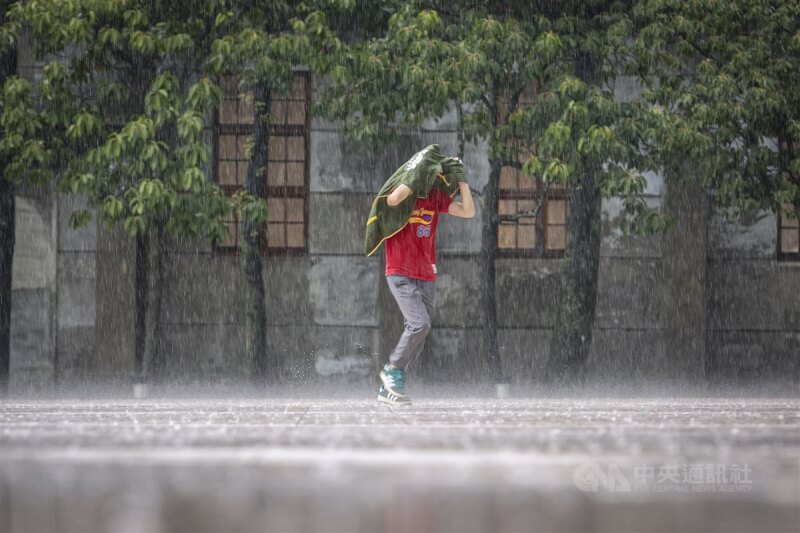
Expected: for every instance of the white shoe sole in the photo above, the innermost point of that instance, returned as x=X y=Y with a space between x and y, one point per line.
x=387 y=401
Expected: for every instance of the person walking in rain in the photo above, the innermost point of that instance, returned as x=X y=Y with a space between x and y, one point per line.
x=404 y=215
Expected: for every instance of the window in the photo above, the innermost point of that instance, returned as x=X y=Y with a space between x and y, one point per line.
x=287 y=166
x=544 y=235
x=540 y=236
x=788 y=238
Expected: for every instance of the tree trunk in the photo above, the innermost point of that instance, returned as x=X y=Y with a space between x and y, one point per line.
x=149 y=285
x=572 y=334
x=8 y=67
x=155 y=270
x=684 y=279
x=491 y=221
x=264 y=368
x=7 y=222
x=141 y=305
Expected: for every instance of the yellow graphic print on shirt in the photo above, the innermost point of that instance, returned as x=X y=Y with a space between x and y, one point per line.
x=424 y=217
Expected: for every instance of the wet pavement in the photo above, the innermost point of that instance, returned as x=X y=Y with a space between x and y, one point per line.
x=668 y=464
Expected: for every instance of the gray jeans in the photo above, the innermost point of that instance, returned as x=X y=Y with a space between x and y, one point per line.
x=415 y=298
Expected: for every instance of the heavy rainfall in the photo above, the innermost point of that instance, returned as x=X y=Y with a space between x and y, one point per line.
x=399 y=265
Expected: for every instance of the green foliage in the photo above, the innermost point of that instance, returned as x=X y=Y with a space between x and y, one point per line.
x=121 y=110
x=128 y=87
x=22 y=127
x=265 y=48
x=724 y=78
x=485 y=59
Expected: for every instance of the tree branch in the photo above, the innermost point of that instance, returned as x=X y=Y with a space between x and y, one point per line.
x=532 y=213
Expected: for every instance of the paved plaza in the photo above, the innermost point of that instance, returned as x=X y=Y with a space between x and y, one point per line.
x=689 y=464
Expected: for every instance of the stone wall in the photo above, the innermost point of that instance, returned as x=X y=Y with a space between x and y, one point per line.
x=752 y=303
x=54 y=294
x=76 y=282
x=33 y=284
x=34 y=295
x=706 y=301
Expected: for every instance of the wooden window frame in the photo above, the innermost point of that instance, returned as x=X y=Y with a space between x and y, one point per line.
x=532 y=194
x=793 y=227
x=541 y=224
x=270 y=191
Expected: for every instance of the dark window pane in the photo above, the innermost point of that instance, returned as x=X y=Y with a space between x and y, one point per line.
x=296 y=174
x=277 y=148
x=295 y=210
x=526 y=237
x=556 y=237
x=243 y=147
x=299 y=87
x=276 y=236
x=227 y=173
x=296 y=113
x=227 y=147
x=276 y=174
x=247 y=109
x=507 y=207
x=790 y=241
x=296 y=148
x=506 y=236
x=277 y=209
x=227 y=112
x=277 y=111
x=526 y=205
x=294 y=236
x=556 y=211
x=526 y=183
x=508 y=178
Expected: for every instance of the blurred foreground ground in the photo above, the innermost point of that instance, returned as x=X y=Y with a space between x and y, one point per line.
x=444 y=465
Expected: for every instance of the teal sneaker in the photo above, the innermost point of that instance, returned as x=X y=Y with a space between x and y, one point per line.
x=394 y=379
x=393 y=399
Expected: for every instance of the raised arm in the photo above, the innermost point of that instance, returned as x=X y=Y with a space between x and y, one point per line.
x=399 y=194
x=465 y=208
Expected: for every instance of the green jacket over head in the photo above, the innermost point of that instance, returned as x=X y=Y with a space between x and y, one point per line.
x=427 y=169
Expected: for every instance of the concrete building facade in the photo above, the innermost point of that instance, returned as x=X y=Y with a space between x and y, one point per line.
x=708 y=301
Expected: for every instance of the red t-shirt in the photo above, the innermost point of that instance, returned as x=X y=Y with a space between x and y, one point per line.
x=412 y=251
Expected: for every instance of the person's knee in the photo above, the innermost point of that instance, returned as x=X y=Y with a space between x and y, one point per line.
x=421 y=326
x=426 y=328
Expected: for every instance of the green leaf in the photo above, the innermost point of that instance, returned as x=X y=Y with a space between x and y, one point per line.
x=79 y=218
